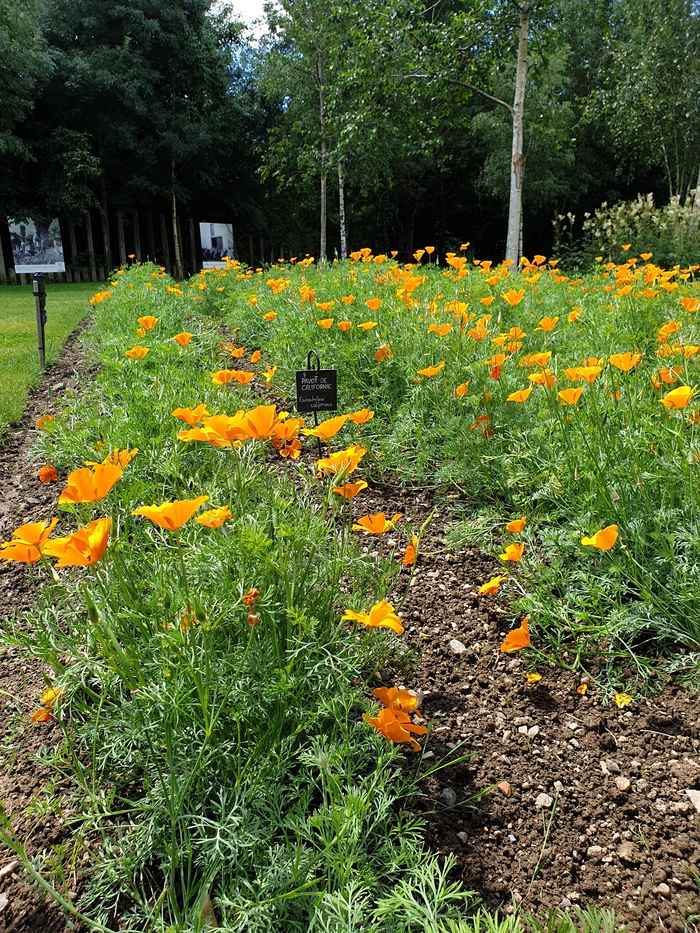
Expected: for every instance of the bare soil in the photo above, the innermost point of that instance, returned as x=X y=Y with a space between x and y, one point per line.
x=566 y=799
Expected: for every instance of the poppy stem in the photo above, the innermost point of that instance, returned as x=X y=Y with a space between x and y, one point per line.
x=183 y=569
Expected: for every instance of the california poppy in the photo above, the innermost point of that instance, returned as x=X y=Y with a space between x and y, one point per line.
x=28 y=542
x=383 y=353
x=214 y=518
x=327 y=429
x=48 y=474
x=396 y=726
x=90 y=485
x=342 y=462
x=376 y=524
x=570 y=396
x=261 y=422
x=690 y=304
x=82 y=548
x=367 y=325
x=518 y=638
x=137 y=352
x=183 y=339
x=603 y=539
x=191 y=415
x=491 y=586
x=624 y=361
x=373 y=303
x=513 y=552
x=361 y=417
x=431 y=371
x=395 y=698
x=350 y=490
x=148 y=322
x=521 y=396
x=678 y=398
x=517 y=524
x=547 y=324
x=255 y=356
x=121 y=458
x=270 y=316
x=512 y=297
x=326 y=323
x=545 y=377
x=409 y=555
x=440 y=329
x=344 y=326
x=171 y=515
x=381 y=615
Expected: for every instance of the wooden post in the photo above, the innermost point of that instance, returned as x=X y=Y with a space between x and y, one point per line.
x=73 y=250
x=164 y=243
x=251 y=257
x=262 y=251
x=137 y=235
x=193 y=247
x=90 y=246
x=181 y=265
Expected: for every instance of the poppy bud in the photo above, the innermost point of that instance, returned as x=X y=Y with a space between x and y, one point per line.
x=253 y=618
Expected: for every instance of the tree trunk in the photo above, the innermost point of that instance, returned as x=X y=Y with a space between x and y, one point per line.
x=106 y=246
x=176 y=236
x=90 y=246
x=73 y=248
x=121 y=240
x=151 y=238
x=341 y=211
x=324 y=179
x=165 y=243
x=515 y=206
x=695 y=211
x=137 y=235
x=196 y=263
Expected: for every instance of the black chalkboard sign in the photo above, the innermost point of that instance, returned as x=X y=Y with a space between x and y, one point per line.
x=317 y=390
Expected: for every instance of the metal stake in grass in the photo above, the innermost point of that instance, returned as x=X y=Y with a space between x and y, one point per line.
x=39 y=289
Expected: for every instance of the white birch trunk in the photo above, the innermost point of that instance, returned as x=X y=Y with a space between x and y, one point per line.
x=515 y=205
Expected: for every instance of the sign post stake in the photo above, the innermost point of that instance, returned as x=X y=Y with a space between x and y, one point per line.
x=317 y=389
x=39 y=289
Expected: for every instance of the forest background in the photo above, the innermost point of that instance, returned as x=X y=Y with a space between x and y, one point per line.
x=393 y=124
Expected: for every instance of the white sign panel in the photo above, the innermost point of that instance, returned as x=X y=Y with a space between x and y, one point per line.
x=36 y=246
x=217 y=243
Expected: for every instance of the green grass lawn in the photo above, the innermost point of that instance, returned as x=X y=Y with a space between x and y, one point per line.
x=66 y=306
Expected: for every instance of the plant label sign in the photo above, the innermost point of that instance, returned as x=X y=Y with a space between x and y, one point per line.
x=317 y=389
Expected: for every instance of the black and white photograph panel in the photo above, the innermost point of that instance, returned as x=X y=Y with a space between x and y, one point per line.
x=217 y=244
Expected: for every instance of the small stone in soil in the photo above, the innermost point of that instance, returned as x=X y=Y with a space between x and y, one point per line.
x=449 y=796
x=543 y=800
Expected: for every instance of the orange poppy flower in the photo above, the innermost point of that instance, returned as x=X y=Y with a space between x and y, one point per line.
x=214 y=518
x=518 y=638
x=373 y=304
x=327 y=429
x=236 y=352
x=383 y=353
x=28 y=542
x=137 y=352
x=512 y=297
x=690 y=304
x=440 y=329
x=462 y=390
x=140 y=332
x=491 y=586
x=350 y=490
x=665 y=332
x=344 y=326
x=121 y=458
x=183 y=339
x=543 y=378
x=409 y=555
x=587 y=373
x=268 y=374
x=395 y=698
x=171 y=515
x=261 y=422
x=536 y=359
x=678 y=398
x=624 y=361
x=191 y=415
x=431 y=371
x=513 y=552
x=41 y=715
x=347 y=299
x=533 y=677
x=362 y=416
x=148 y=322
x=255 y=356
x=574 y=315
x=90 y=485
x=396 y=726
x=324 y=305
x=48 y=474
x=603 y=539
x=251 y=597
x=51 y=695
x=326 y=323
x=82 y=548
x=570 y=396
x=376 y=524
x=241 y=376
x=547 y=324
x=488 y=301
x=368 y=325
x=381 y=615
x=342 y=462
x=517 y=524
x=270 y=316
x=520 y=396
x=43 y=420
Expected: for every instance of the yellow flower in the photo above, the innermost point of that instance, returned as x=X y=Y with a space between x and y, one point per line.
x=513 y=552
x=431 y=371
x=678 y=398
x=512 y=297
x=82 y=548
x=214 y=518
x=624 y=361
x=623 y=699
x=491 y=586
x=520 y=396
